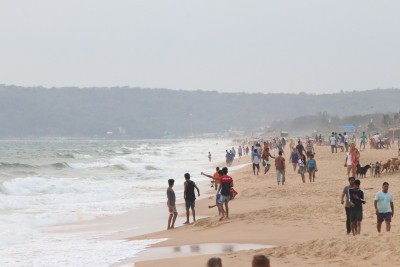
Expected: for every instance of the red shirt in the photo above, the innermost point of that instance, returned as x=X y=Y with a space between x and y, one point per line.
x=225 y=181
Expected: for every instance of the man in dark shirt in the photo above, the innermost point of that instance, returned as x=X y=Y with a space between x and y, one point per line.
x=226 y=182
x=300 y=148
x=356 y=196
x=190 y=197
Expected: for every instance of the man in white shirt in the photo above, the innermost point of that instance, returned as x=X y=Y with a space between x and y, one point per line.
x=332 y=140
x=384 y=207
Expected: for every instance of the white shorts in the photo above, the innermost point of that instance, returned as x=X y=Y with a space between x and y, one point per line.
x=280 y=175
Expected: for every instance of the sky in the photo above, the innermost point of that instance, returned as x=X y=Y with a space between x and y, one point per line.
x=319 y=46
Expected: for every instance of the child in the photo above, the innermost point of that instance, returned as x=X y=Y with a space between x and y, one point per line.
x=302 y=167
x=312 y=168
x=171 y=204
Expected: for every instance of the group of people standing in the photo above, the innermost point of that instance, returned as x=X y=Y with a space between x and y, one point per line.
x=304 y=159
x=354 y=199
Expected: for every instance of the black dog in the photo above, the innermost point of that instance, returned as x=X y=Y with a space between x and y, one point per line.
x=362 y=170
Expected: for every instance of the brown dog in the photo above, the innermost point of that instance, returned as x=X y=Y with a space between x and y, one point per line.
x=386 y=166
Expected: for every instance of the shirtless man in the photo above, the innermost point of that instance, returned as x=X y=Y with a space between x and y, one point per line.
x=265 y=157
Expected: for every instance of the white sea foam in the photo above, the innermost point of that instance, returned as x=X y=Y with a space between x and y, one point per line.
x=99 y=181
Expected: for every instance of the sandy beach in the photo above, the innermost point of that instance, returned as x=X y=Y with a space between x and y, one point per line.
x=304 y=222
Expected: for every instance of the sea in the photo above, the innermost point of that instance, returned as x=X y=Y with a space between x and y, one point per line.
x=49 y=183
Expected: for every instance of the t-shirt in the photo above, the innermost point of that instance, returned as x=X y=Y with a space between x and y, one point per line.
x=216 y=181
x=346 y=138
x=256 y=158
x=311 y=164
x=280 y=163
x=384 y=201
x=171 y=196
x=300 y=148
x=346 y=192
x=309 y=147
x=225 y=184
x=357 y=202
x=363 y=138
x=333 y=140
x=295 y=157
x=190 y=190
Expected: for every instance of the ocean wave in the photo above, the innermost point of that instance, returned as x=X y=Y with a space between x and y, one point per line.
x=65 y=155
x=23 y=166
x=5 y=165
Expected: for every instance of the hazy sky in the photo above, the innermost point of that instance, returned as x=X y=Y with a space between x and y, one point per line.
x=229 y=46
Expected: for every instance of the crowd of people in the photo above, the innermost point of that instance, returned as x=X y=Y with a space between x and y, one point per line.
x=302 y=160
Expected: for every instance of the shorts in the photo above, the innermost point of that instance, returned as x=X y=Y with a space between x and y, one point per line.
x=386 y=216
x=223 y=199
x=280 y=175
x=256 y=166
x=172 y=209
x=302 y=170
x=309 y=153
x=311 y=169
x=356 y=215
x=189 y=203
x=266 y=163
x=217 y=198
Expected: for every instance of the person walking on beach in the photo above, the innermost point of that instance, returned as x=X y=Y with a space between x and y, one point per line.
x=240 y=152
x=348 y=164
x=280 y=168
x=345 y=195
x=294 y=159
x=363 y=141
x=302 y=167
x=310 y=149
x=332 y=140
x=226 y=184
x=171 y=204
x=300 y=148
x=190 y=197
x=355 y=158
x=384 y=207
x=356 y=198
x=265 y=157
x=312 y=167
x=255 y=159
x=209 y=156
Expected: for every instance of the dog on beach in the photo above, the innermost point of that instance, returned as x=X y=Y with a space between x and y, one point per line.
x=362 y=171
x=386 y=166
x=377 y=169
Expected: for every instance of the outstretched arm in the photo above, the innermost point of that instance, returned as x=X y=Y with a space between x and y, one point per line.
x=209 y=176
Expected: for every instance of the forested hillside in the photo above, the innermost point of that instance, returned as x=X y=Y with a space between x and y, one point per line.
x=153 y=113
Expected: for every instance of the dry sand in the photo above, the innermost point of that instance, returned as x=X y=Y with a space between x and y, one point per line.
x=306 y=222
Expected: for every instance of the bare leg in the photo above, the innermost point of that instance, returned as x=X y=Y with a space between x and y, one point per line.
x=187 y=217
x=358 y=227
x=309 y=176
x=303 y=177
x=227 y=210
x=169 y=221
x=354 y=227
x=387 y=226
x=194 y=214
x=378 y=227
